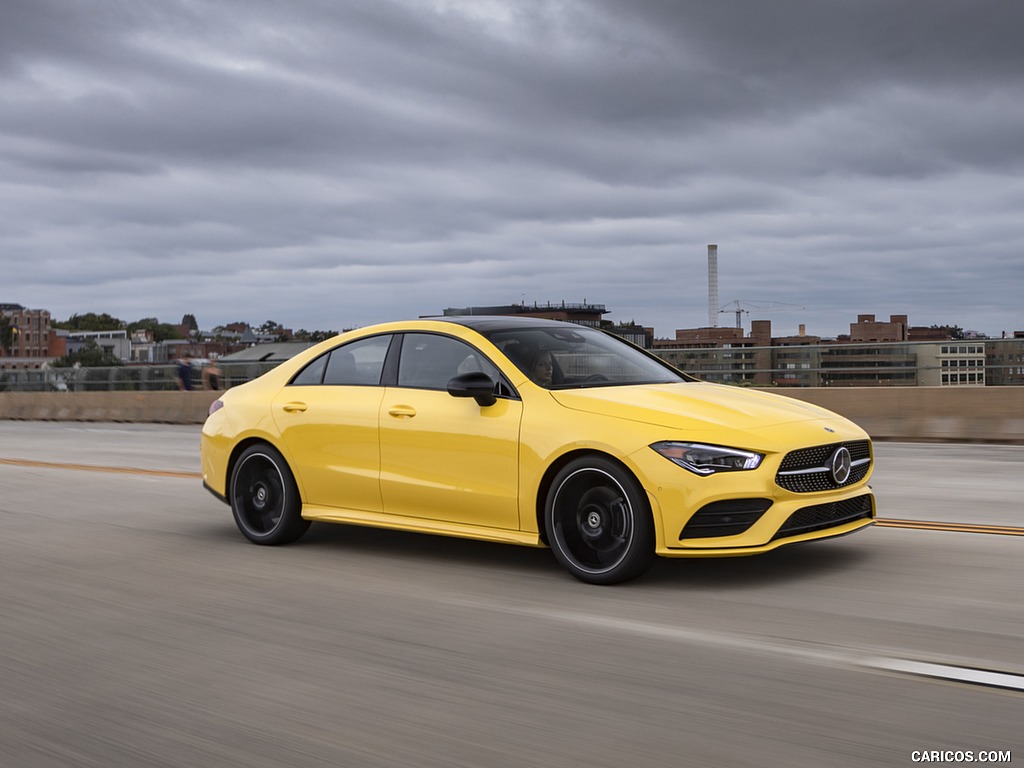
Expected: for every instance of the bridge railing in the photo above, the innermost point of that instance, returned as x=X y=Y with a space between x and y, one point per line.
x=121 y=378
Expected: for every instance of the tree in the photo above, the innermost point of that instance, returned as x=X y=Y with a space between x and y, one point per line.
x=236 y=327
x=954 y=331
x=6 y=334
x=314 y=336
x=268 y=327
x=160 y=331
x=271 y=328
x=92 y=355
x=90 y=321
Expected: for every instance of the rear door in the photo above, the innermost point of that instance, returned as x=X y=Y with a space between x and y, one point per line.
x=327 y=417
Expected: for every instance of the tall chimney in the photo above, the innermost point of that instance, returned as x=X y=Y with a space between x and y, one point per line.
x=712 y=286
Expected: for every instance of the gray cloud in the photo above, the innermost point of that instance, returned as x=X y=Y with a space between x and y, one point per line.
x=335 y=164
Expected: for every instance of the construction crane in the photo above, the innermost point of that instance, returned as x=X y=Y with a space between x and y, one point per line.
x=741 y=307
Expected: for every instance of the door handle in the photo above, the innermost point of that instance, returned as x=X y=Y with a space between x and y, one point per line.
x=402 y=411
x=294 y=407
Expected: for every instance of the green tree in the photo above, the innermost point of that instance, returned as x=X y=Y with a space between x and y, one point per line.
x=6 y=334
x=954 y=331
x=314 y=336
x=92 y=355
x=90 y=321
x=271 y=328
x=160 y=331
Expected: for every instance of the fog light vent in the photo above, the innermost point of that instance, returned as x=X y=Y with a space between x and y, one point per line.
x=724 y=518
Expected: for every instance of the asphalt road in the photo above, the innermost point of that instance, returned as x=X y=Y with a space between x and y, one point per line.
x=138 y=628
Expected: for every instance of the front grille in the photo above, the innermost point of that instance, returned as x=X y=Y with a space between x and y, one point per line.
x=823 y=516
x=724 y=518
x=807 y=470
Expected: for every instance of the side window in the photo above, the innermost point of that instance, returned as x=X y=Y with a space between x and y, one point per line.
x=312 y=373
x=430 y=361
x=358 y=363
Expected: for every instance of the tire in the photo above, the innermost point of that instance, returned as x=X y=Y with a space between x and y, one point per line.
x=598 y=522
x=264 y=498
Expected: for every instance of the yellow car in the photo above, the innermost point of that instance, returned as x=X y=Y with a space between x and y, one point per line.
x=531 y=432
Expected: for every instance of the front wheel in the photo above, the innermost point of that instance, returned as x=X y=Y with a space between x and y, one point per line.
x=598 y=522
x=264 y=498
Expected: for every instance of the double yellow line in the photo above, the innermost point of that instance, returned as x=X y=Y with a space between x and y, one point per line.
x=96 y=468
x=928 y=525
x=917 y=525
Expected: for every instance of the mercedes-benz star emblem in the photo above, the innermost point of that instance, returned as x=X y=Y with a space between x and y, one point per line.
x=840 y=465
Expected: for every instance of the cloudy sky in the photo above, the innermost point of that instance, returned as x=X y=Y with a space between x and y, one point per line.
x=334 y=163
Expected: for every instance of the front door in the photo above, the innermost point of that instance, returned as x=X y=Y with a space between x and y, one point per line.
x=442 y=457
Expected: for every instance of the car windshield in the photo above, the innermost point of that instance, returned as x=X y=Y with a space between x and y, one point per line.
x=569 y=356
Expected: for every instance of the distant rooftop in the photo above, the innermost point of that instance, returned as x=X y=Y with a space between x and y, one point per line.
x=276 y=352
x=527 y=309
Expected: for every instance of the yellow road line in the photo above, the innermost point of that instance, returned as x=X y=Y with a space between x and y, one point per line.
x=929 y=525
x=919 y=525
x=97 y=468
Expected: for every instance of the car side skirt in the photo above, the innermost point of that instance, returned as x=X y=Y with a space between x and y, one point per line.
x=216 y=493
x=420 y=525
x=829 y=533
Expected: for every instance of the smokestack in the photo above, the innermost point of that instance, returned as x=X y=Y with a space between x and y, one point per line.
x=712 y=286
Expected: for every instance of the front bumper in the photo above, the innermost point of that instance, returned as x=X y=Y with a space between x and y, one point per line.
x=789 y=532
x=745 y=513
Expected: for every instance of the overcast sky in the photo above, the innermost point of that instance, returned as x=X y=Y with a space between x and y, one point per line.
x=328 y=163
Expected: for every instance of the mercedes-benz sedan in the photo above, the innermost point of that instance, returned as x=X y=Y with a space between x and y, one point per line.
x=531 y=432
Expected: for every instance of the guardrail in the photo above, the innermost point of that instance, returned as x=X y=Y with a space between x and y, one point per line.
x=120 y=378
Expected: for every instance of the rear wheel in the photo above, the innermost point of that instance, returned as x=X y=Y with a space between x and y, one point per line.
x=598 y=522
x=264 y=498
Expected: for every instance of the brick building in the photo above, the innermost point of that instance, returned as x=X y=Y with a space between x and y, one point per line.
x=27 y=339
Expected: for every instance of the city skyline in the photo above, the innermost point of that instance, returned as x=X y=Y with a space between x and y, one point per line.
x=336 y=166
x=886 y=319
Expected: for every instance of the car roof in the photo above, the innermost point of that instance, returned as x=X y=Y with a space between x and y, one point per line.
x=488 y=323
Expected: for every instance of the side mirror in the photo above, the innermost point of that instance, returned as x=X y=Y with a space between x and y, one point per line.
x=477 y=385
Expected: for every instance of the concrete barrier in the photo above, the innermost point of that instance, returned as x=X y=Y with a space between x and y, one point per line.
x=947 y=414
x=157 y=407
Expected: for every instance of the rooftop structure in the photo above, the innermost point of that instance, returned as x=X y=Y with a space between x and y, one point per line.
x=581 y=314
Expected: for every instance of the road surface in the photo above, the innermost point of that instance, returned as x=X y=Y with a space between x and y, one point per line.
x=138 y=628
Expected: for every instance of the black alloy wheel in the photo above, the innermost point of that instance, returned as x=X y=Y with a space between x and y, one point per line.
x=598 y=522
x=264 y=498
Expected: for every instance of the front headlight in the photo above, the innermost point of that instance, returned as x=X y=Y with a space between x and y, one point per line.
x=708 y=459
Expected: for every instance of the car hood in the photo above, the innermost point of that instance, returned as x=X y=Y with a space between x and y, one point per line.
x=698 y=406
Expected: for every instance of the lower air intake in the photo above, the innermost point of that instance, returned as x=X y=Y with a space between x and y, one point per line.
x=724 y=518
x=820 y=517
